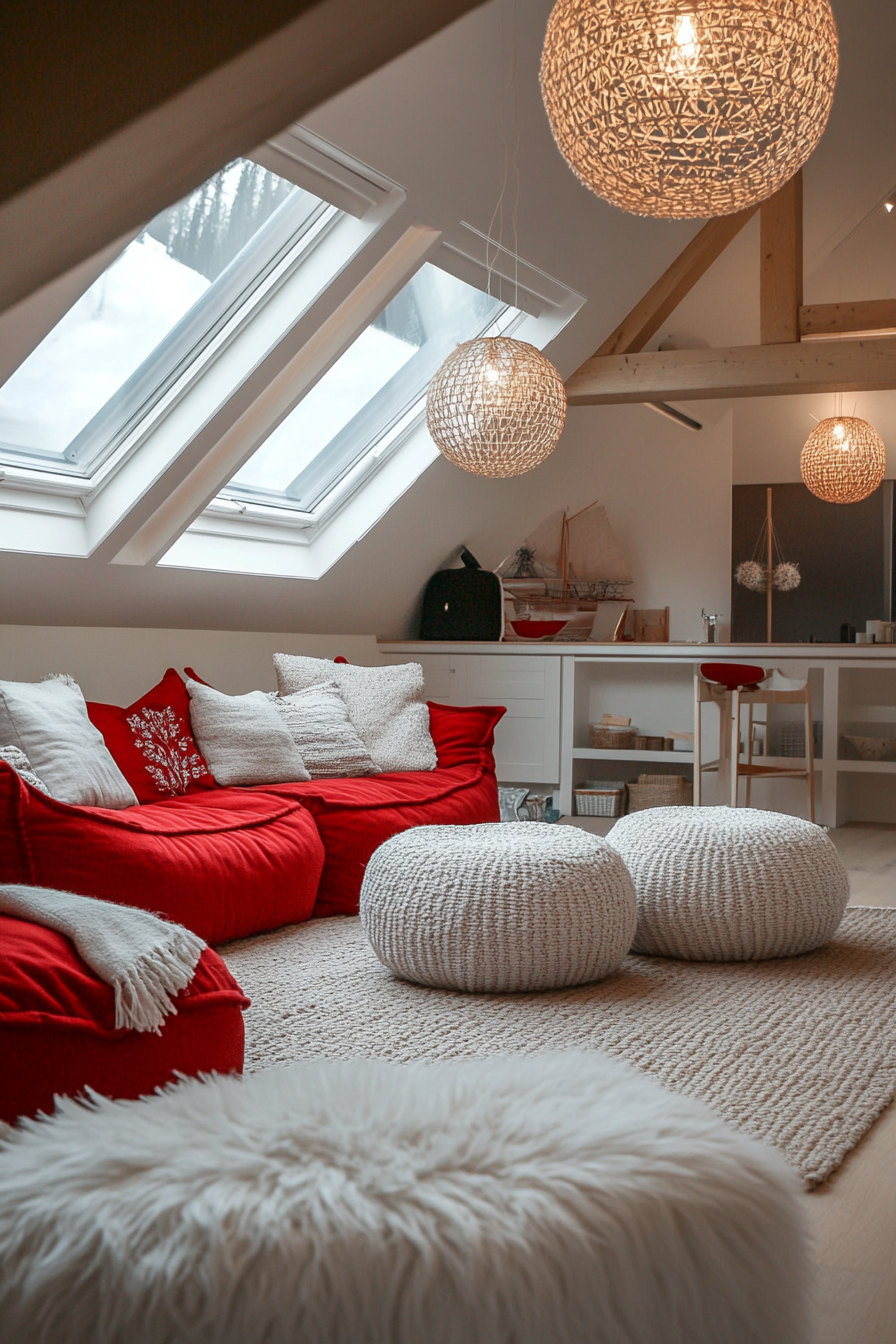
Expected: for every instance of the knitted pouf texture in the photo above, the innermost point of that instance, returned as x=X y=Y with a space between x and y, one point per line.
x=730 y=884
x=498 y=908
x=553 y=1199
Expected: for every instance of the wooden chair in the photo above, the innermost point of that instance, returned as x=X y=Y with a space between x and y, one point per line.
x=730 y=694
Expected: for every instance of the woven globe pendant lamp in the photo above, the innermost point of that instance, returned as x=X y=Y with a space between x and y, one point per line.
x=496 y=407
x=843 y=460
x=688 y=109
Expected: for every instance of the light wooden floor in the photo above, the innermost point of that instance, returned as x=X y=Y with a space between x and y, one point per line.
x=852 y=1217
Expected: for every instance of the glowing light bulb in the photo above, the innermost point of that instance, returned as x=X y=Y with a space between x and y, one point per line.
x=491 y=373
x=839 y=431
x=888 y=206
x=684 y=33
x=685 y=56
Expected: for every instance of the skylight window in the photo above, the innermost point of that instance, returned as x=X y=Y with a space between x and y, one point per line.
x=367 y=393
x=150 y=316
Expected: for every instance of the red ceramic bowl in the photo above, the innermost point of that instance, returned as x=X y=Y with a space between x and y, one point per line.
x=537 y=629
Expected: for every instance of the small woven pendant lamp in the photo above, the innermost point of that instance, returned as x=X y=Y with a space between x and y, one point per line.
x=687 y=109
x=843 y=460
x=496 y=407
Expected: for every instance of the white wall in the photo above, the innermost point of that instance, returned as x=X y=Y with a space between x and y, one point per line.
x=769 y=432
x=117 y=666
x=667 y=492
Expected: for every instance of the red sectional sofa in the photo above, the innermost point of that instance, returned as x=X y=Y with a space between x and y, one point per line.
x=231 y=862
x=225 y=863
x=58 y=1035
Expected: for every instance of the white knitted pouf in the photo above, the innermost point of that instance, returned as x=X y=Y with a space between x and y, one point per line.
x=730 y=884
x=498 y=908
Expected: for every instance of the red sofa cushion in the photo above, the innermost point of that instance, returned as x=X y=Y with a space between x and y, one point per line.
x=152 y=743
x=57 y=1026
x=461 y=733
x=226 y=863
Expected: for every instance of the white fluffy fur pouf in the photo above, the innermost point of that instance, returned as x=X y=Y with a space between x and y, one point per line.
x=552 y=1199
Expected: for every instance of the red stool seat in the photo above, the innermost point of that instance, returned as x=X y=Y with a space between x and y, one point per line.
x=731 y=675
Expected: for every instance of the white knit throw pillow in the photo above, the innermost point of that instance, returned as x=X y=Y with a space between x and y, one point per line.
x=318 y=722
x=243 y=738
x=47 y=720
x=385 y=704
x=22 y=766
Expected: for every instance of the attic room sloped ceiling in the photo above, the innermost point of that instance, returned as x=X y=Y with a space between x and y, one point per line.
x=431 y=121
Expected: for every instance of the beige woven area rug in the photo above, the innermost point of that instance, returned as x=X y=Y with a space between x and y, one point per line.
x=799 y=1052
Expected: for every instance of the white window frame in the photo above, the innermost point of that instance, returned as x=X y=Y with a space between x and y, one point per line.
x=62 y=513
x=156 y=499
x=232 y=536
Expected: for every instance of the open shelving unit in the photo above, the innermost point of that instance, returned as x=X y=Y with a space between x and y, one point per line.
x=553 y=692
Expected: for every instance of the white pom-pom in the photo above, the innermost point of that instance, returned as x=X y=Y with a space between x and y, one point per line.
x=751 y=574
x=786 y=576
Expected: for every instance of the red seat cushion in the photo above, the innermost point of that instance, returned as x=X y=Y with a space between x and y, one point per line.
x=356 y=816
x=152 y=742
x=57 y=1026
x=226 y=863
x=731 y=675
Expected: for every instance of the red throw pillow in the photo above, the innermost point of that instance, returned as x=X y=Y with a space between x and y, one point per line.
x=152 y=744
x=461 y=732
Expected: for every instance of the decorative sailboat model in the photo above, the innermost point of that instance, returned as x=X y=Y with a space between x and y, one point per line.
x=555 y=583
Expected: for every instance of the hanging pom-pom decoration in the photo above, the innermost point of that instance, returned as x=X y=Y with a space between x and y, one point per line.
x=751 y=574
x=786 y=576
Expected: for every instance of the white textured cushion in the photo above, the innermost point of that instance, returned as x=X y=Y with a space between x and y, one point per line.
x=22 y=766
x=730 y=884
x=496 y=908
x=385 y=704
x=548 y=1199
x=318 y=722
x=47 y=720
x=243 y=738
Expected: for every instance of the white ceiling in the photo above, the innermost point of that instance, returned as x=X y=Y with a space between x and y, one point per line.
x=431 y=121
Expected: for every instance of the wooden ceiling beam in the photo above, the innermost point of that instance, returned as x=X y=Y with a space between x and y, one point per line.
x=740 y=371
x=781 y=264
x=646 y=318
x=831 y=319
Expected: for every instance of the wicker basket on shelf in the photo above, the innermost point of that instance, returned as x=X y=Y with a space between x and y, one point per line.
x=660 y=791
x=649 y=743
x=602 y=738
x=600 y=798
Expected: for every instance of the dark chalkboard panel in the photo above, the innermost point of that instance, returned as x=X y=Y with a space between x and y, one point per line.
x=845 y=553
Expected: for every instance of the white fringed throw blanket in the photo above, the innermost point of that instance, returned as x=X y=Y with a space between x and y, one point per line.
x=144 y=959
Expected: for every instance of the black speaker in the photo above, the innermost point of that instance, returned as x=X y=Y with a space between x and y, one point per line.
x=463 y=604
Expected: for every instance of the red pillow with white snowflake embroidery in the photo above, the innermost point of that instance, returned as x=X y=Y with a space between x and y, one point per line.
x=152 y=743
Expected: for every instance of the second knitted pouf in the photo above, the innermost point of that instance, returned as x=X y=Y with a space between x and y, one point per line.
x=730 y=884
x=498 y=908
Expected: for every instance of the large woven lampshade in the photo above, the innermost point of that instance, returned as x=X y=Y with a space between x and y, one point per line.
x=496 y=407
x=686 y=109
x=843 y=460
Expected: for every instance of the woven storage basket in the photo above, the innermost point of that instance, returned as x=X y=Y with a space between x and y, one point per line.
x=601 y=738
x=600 y=798
x=660 y=791
x=649 y=743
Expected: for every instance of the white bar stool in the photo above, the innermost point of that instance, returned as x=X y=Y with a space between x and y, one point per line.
x=730 y=686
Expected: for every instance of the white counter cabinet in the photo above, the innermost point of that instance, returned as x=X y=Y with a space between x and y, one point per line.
x=527 y=740
x=553 y=691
